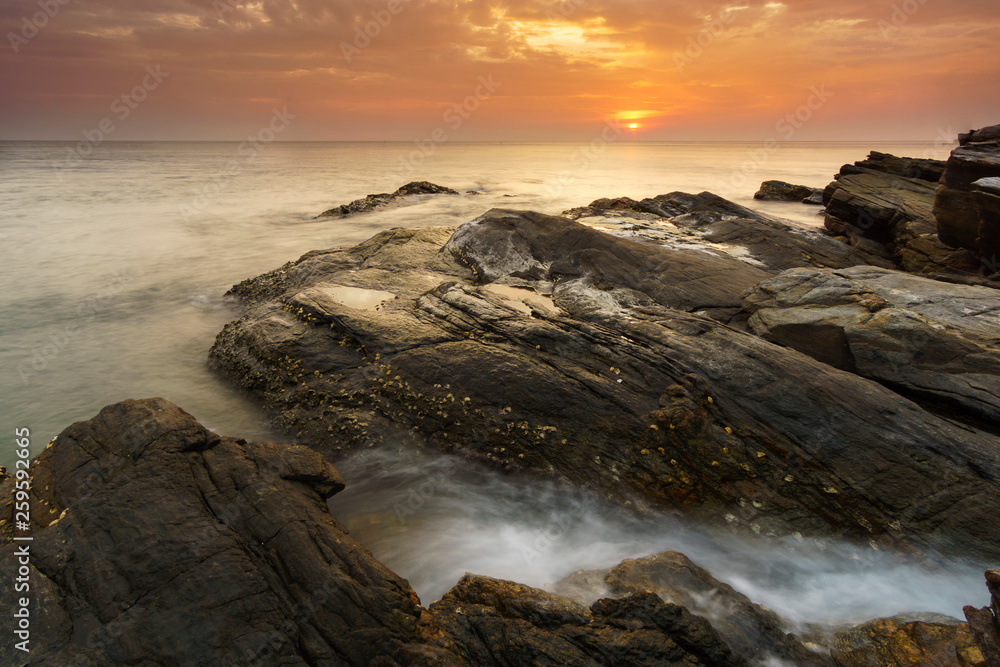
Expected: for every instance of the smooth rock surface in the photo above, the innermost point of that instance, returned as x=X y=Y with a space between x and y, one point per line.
x=938 y=341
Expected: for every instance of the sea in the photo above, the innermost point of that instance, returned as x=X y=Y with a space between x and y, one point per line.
x=115 y=259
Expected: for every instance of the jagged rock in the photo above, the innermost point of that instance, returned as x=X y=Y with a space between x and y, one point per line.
x=681 y=208
x=984 y=135
x=781 y=191
x=157 y=541
x=985 y=623
x=938 y=342
x=385 y=199
x=570 y=364
x=988 y=205
x=901 y=642
x=750 y=630
x=496 y=622
x=885 y=205
x=956 y=202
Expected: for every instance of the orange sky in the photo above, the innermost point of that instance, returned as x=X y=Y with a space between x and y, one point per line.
x=682 y=70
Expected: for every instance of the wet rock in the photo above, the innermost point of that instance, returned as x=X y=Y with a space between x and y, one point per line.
x=937 y=342
x=158 y=541
x=384 y=200
x=750 y=630
x=496 y=622
x=781 y=191
x=540 y=347
x=956 y=205
x=900 y=642
x=984 y=623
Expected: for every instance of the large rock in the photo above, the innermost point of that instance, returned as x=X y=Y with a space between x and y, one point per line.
x=904 y=642
x=538 y=346
x=985 y=623
x=156 y=541
x=386 y=199
x=956 y=206
x=935 y=341
x=781 y=191
x=498 y=622
x=711 y=224
x=752 y=631
x=885 y=205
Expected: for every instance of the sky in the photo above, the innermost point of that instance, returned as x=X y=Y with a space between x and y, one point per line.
x=485 y=70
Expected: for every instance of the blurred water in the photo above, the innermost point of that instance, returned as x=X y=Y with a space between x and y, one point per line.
x=114 y=271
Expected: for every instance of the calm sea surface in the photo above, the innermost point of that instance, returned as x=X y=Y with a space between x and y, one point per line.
x=114 y=266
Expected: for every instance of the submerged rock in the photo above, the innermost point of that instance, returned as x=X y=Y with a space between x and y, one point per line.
x=781 y=191
x=384 y=200
x=539 y=346
x=936 y=341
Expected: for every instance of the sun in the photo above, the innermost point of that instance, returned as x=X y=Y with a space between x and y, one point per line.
x=633 y=126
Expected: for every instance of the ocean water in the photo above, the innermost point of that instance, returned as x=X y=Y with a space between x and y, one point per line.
x=114 y=266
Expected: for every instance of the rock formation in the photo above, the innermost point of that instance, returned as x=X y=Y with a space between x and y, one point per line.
x=956 y=203
x=781 y=191
x=385 y=200
x=537 y=345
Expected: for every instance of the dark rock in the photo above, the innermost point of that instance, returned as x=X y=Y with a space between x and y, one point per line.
x=888 y=202
x=496 y=622
x=681 y=208
x=898 y=642
x=781 y=191
x=937 y=341
x=956 y=203
x=576 y=362
x=750 y=630
x=984 y=623
x=157 y=541
x=385 y=199
x=984 y=135
x=988 y=205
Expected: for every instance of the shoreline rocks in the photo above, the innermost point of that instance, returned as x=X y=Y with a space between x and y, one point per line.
x=385 y=200
x=782 y=191
x=538 y=346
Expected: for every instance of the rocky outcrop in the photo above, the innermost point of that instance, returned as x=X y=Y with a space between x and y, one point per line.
x=156 y=541
x=385 y=200
x=902 y=642
x=984 y=623
x=711 y=224
x=752 y=631
x=538 y=346
x=937 y=342
x=885 y=205
x=781 y=191
x=498 y=622
x=956 y=203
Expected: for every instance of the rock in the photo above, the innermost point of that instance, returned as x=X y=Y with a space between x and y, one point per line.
x=158 y=542
x=722 y=227
x=956 y=206
x=887 y=203
x=984 y=135
x=496 y=622
x=781 y=191
x=988 y=205
x=751 y=631
x=934 y=341
x=385 y=199
x=984 y=623
x=576 y=361
x=899 y=642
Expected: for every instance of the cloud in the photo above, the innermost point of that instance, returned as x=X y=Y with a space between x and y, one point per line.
x=384 y=69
